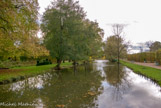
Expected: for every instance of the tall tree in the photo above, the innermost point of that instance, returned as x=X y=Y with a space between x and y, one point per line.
x=87 y=42
x=61 y=25
x=111 y=48
x=155 y=46
x=94 y=35
x=149 y=43
x=116 y=46
x=67 y=34
x=118 y=32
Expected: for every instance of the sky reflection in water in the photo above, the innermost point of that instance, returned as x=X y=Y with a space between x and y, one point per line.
x=130 y=91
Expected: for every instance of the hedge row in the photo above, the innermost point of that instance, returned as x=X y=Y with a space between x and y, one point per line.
x=146 y=56
x=158 y=56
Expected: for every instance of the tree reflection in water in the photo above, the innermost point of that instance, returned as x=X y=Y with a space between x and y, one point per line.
x=116 y=76
x=96 y=85
x=78 y=89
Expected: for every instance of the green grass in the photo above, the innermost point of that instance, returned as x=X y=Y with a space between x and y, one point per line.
x=152 y=73
x=28 y=71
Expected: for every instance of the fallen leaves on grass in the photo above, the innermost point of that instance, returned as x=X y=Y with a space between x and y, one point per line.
x=11 y=71
x=60 y=106
x=91 y=93
x=70 y=101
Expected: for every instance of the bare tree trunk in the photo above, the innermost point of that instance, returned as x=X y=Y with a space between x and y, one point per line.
x=118 y=52
x=74 y=63
x=118 y=30
x=58 y=64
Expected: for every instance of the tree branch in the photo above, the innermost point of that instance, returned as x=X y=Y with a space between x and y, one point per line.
x=3 y=19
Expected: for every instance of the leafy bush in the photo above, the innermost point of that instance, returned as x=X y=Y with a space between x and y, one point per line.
x=43 y=62
x=2 y=65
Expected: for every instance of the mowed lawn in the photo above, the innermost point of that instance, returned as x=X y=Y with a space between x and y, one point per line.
x=17 y=72
x=152 y=73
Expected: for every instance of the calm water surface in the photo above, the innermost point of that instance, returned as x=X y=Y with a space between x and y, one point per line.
x=96 y=85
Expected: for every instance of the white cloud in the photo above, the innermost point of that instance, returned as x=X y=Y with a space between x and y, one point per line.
x=143 y=16
x=43 y=4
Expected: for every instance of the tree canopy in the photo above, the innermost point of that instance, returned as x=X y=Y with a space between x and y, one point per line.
x=155 y=46
x=18 y=27
x=68 y=34
x=116 y=47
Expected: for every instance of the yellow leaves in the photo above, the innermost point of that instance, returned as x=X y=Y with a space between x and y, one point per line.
x=104 y=57
x=92 y=83
x=90 y=58
x=32 y=48
x=91 y=93
x=60 y=106
x=84 y=96
x=70 y=101
x=17 y=25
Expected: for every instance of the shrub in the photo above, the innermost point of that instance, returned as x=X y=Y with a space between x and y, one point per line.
x=43 y=62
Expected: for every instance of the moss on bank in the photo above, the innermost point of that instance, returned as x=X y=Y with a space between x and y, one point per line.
x=19 y=73
x=152 y=73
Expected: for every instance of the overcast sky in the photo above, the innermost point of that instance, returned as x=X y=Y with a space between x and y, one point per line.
x=142 y=16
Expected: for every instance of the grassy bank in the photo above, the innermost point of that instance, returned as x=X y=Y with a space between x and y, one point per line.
x=152 y=73
x=19 y=73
